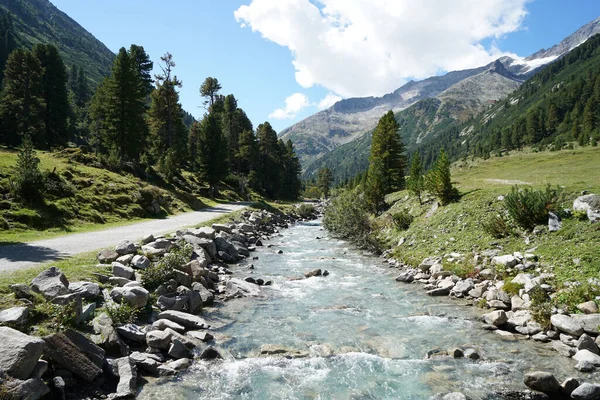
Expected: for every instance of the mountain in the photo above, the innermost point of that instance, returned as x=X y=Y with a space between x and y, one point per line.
x=429 y=115
x=39 y=21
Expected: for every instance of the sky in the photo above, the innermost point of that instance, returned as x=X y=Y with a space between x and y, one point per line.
x=284 y=60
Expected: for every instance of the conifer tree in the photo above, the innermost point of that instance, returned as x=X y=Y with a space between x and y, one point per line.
x=324 y=180
x=247 y=154
x=269 y=173
x=291 y=169
x=22 y=104
x=211 y=151
x=27 y=181
x=57 y=109
x=168 y=134
x=8 y=41
x=438 y=180
x=82 y=89
x=143 y=65
x=209 y=90
x=415 y=180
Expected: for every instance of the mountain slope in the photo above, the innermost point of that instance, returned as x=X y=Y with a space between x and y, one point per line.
x=39 y=21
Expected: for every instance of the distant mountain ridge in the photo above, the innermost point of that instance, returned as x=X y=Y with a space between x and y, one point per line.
x=460 y=95
x=39 y=21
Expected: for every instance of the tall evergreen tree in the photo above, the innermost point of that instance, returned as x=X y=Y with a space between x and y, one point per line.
x=209 y=90
x=438 y=180
x=247 y=153
x=56 y=98
x=269 y=173
x=27 y=180
x=386 y=162
x=235 y=121
x=8 y=41
x=82 y=89
x=324 y=181
x=22 y=104
x=415 y=180
x=211 y=151
x=143 y=65
x=165 y=117
x=291 y=184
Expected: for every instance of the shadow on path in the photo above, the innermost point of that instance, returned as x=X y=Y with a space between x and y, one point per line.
x=26 y=252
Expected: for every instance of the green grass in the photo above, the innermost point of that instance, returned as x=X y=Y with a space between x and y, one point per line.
x=457 y=227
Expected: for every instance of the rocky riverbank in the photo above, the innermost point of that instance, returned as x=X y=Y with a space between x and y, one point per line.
x=140 y=320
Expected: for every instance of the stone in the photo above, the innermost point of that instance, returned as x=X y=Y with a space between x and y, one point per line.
x=182 y=278
x=106 y=335
x=585 y=342
x=590 y=322
x=159 y=339
x=148 y=238
x=541 y=337
x=221 y=228
x=225 y=246
x=126 y=259
x=19 y=353
x=315 y=272
x=406 y=277
x=205 y=233
x=487 y=274
x=236 y=285
x=589 y=307
x=586 y=391
x=177 y=350
x=107 y=256
x=554 y=222
x=179 y=365
x=200 y=335
x=144 y=362
x=507 y=261
x=586 y=355
x=126 y=247
x=94 y=353
x=22 y=291
x=62 y=351
x=518 y=304
x=472 y=354
x=153 y=252
x=14 y=316
x=477 y=291
x=454 y=396
x=140 y=262
x=496 y=318
x=132 y=332
x=440 y=291
x=125 y=369
x=40 y=369
x=132 y=295
x=542 y=381
x=50 y=283
x=563 y=349
x=457 y=353
x=175 y=303
x=589 y=203
x=519 y=318
x=584 y=366
x=566 y=324
x=30 y=389
x=194 y=302
x=87 y=290
x=463 y=287
x=117 y=281
x=210 y=353
x=568 y=386
x=187 y=320
x=498 y=305
x=121 y=271
x=206 y=295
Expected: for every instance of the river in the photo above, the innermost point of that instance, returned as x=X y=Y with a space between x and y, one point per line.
x=379 y=331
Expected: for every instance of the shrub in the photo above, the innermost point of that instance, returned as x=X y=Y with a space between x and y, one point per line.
x=162 y=271
x=575 y=295
x=511 y=287
x=28 y=182
x=541 y=308
x=306 y=210
x=122 y=314
x=55 y=186
x=528 y=207
x=497 y=227
x=58 y=317
x=463 y=271
x=580 y=215
x=402 y=219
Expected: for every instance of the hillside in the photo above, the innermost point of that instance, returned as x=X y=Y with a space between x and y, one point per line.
x=39 y=21
x=467 y=94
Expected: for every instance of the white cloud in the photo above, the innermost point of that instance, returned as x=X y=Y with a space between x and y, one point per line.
x=328 y=101
x=371 y=47
x=293 y=105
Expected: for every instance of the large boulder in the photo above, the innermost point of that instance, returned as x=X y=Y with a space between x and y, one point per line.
x=50 y=283
x=206 y=295
x=187 y=320
x=463 y=287
x=586 y=391
x=61 y=350
x=590 y=322
x=210 y=247
x=19 y=353
x=135 y=296
x=106 y=335
x=87 y=290
x=31 y=389
x=586 y=355
x=132 y=332
x=107 y=256
x=496 y=318
x=244 y=288
x=205 y=233
x=14 y=316
x=122 y=271
x=590 y=204
x=125 y=369
x=126 y=247
x=566 y=324
x=542 y=381
x=225 y=246
x=140 y=262
x=158 y=339
x=145 y=362
x=87 y=347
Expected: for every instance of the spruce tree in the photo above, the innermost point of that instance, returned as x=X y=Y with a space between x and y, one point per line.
x=82 y=89
x=247 y=155
x=291 y=184
x=269 y=171
x=56 y=98
x=211 y=151
x=209 y=90
x=415 y=180
x=143 y=65
x=438 y=180
x=22 y=104
x=27 y=181
x=8 y=41
x=324 y=180
x=168 y=134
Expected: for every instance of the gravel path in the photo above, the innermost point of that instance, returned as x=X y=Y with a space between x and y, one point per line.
x=27 y=255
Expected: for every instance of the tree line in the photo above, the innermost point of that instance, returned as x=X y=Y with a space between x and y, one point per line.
x=136 y=118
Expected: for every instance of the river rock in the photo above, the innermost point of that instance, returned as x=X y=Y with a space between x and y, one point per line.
x=187 y=320
x=132 y=295
x=568 y=386
x=236 y=285
x=586 y=355
x=584 y=366
x=507 y=261
x=440 y=291
x=519 y=318
x=589 y=307
x=14 y=316
x=177 y=350
x=563 y=349
x=225 y=246
x=205 y=233
x=541 y=337
x=463 y=287
x=203 y=336
x=107 y=256
x=590 y=322
x=586 y=391
x=589 y=203
x=314 y=272
x=163 y=324
x=518 y=304
x=177 y=365
x=566 y=324
x=122 y=271
x=132 y=332
x=454 y=396
x=50 y=283
x=585 y=342
x=496 y=318
x=62 y=351
x=542 y=381
x=158 y=339
x=94 y=353
x=19 y=352
x=30 y=389
x=140 y=262
x=125 y=369
x=406 y=276
x=278 y=350
x=126 y=247
x=106 y=335
x=472 y=354
x=206 y=295
x=144 y=362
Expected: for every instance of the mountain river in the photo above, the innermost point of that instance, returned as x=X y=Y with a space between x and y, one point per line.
x=378 y=331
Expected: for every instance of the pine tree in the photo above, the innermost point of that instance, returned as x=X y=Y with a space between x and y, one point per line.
x=211 y=151
x=27 y=181
x=269 y=173
x=56 y=98
x=291 y=184
x=143 y=65
x=210 y=89
x=247 y=154
x=168 y=134
x=82 y=89
x=415 y=181
x=22 y=104
x=386 y=162
x=438 y=180
x=324 y=180
x=8 y=41
x=235 y=121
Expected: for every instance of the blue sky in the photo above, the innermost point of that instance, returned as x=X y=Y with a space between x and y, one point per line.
x=378 y=51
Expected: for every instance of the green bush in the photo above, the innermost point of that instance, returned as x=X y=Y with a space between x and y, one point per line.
x=56 y=187
x=163 y=270
x=56 y=316
x=529 y=207
x=306 y=210
x=122 y=314
x=463 y=271
x=575 y=295
x=511 y=287
x=580 y=215
x=402 y=219
x=541 y=307
x=497 y=227
x=27 y=183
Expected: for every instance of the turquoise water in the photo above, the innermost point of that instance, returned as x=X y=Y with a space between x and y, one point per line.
x=377 y=329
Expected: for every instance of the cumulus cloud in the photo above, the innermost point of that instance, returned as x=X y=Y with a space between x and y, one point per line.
x=371 y=47
x=329 y=100
x=293 y=105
